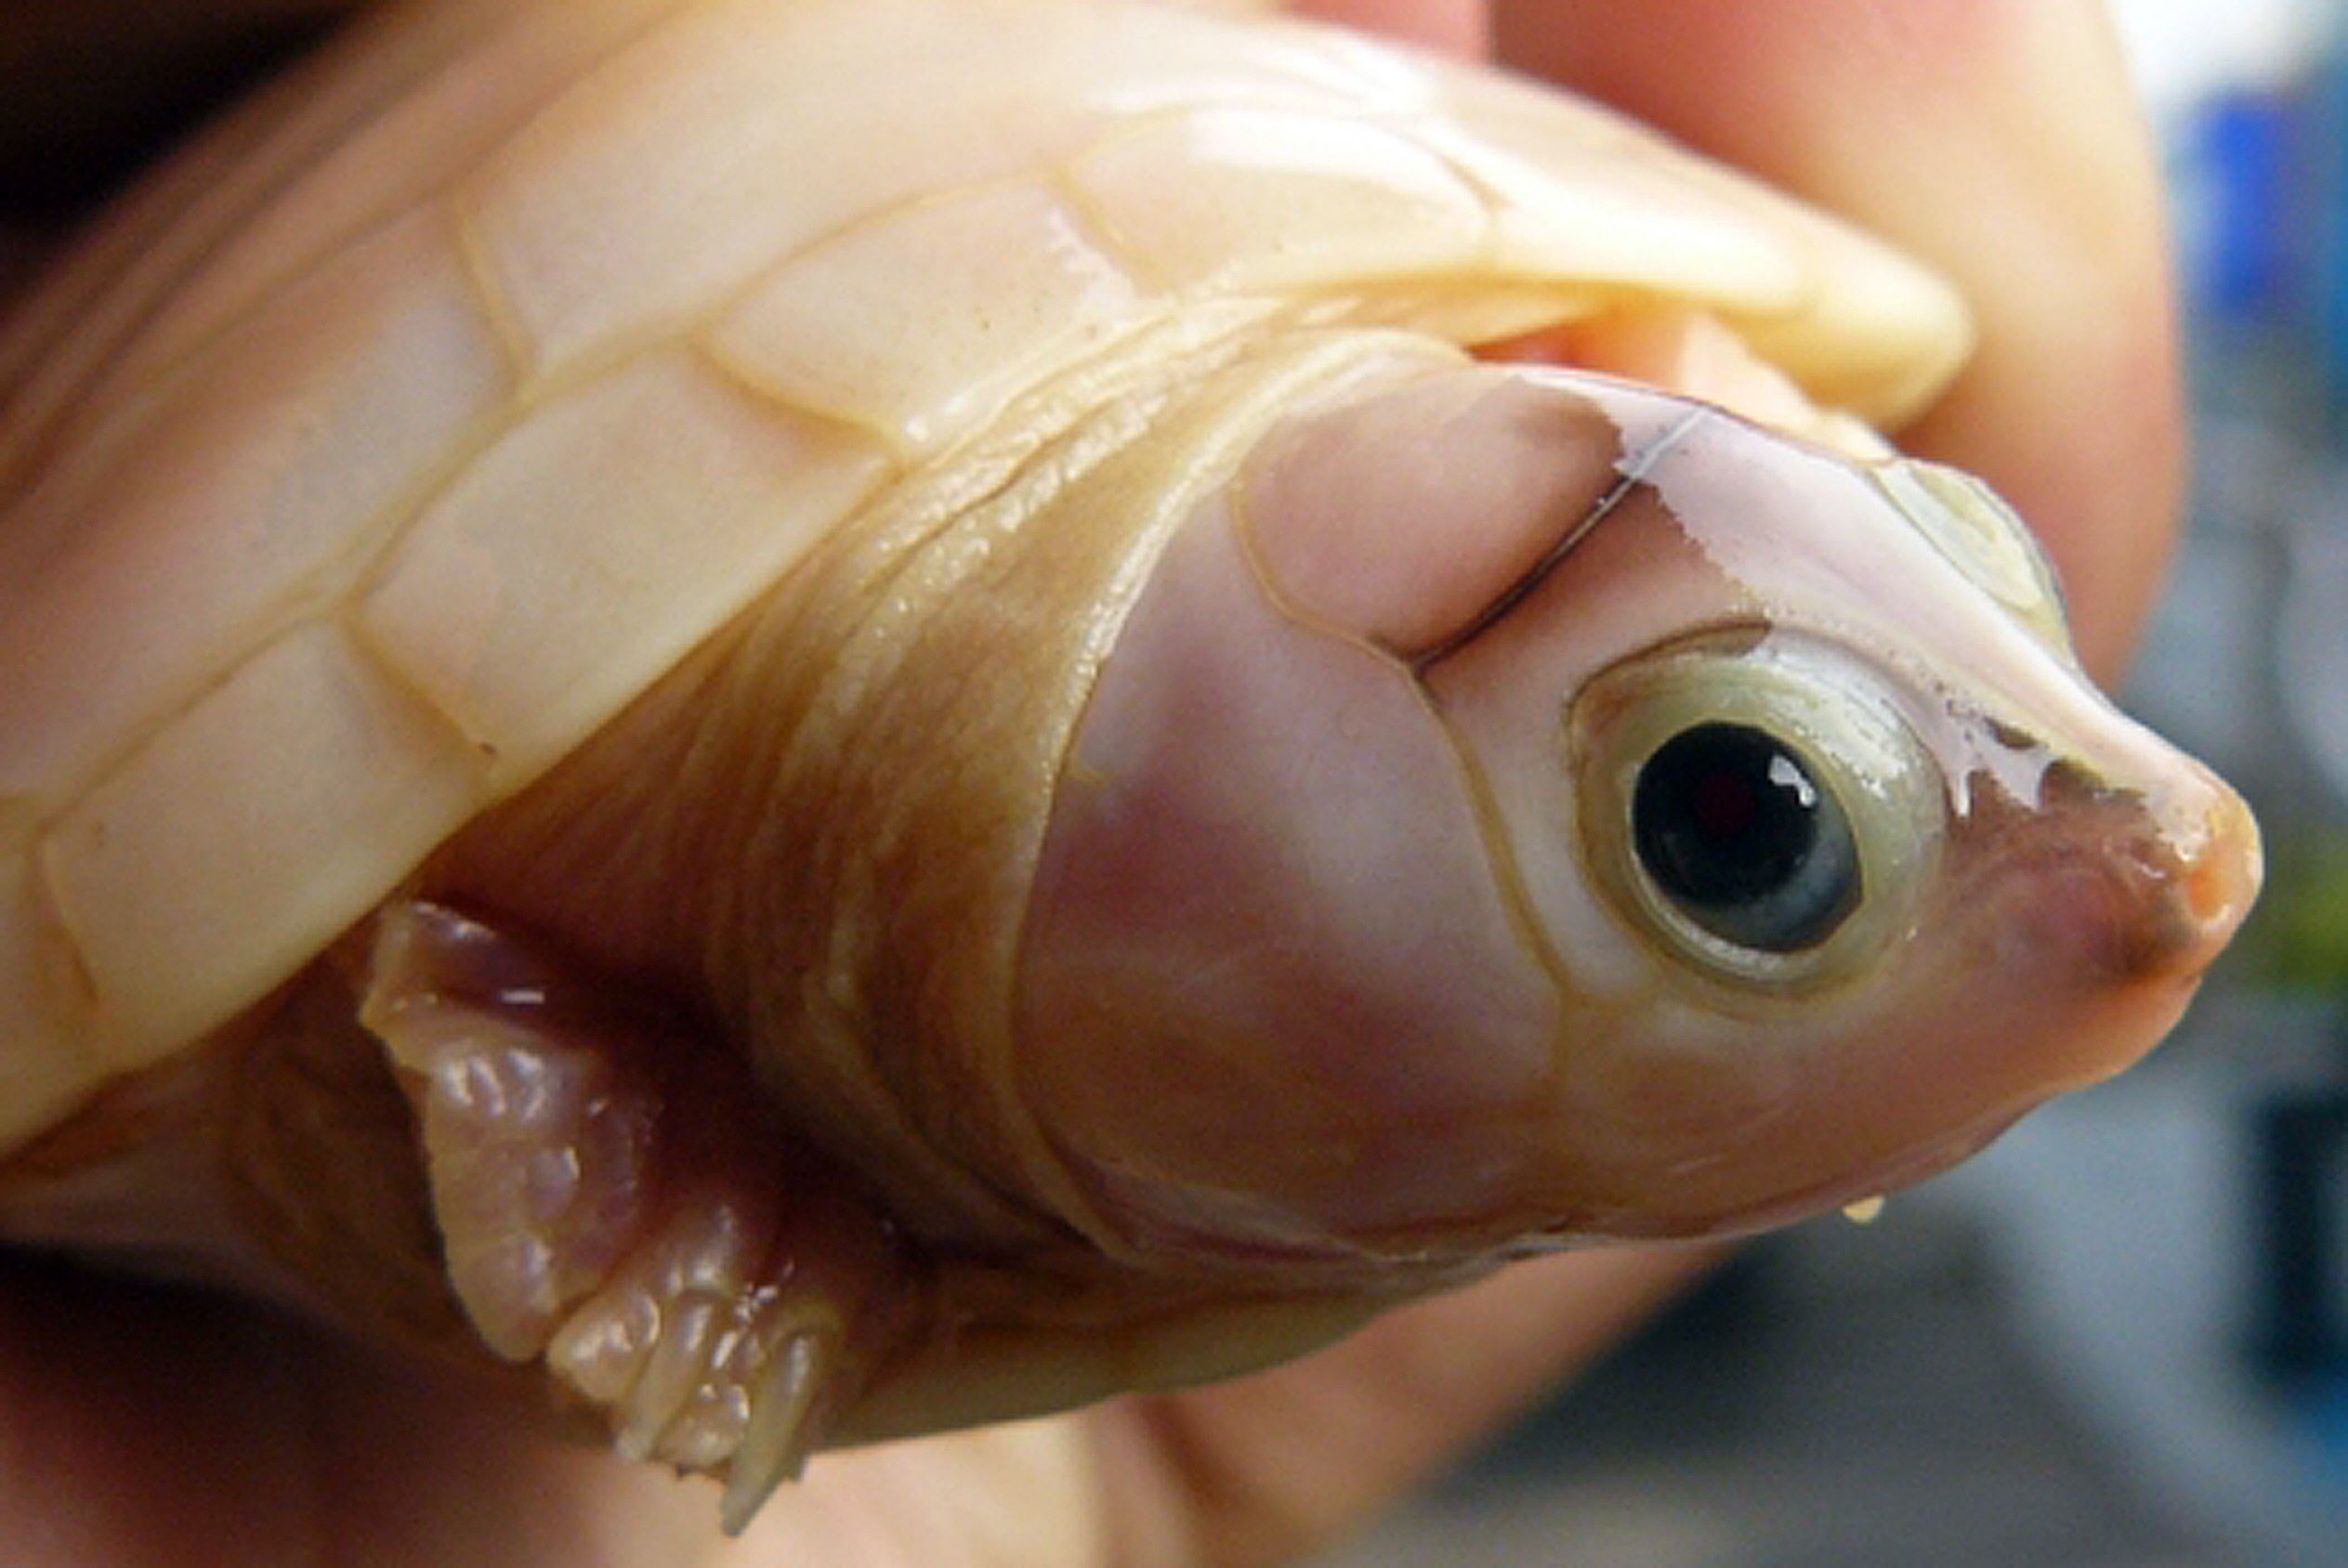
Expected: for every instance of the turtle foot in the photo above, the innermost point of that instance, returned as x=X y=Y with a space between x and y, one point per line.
x=614 y=1201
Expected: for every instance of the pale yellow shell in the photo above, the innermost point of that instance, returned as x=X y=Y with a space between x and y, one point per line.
x=428 y=413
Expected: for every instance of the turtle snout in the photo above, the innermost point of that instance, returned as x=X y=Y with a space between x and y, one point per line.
x=2120 y=886
x=2210 y=889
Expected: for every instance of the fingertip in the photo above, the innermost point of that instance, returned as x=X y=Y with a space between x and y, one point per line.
x=1452 y=27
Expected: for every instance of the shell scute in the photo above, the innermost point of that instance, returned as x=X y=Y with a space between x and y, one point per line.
x=1236 y=200
x=233 y=500
x=711 y=124
x=292 y=179
x=660 y=498
x=205 y=869
x=834 y=329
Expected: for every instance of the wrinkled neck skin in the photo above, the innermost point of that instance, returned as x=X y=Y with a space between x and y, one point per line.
x=913 y=690
x=1224 y=874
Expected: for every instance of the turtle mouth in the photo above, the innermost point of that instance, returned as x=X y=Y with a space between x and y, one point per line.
x=1688 y=351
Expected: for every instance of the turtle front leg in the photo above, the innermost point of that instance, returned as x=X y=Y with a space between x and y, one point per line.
x=614 y=1201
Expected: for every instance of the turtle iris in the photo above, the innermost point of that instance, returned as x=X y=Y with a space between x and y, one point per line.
x=1732 y=827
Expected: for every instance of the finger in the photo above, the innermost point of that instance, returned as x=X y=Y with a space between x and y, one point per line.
x=1997 y=138
x=1264 y=1469
x=182 y=1429
x=1458 y=27
x=162 y=1452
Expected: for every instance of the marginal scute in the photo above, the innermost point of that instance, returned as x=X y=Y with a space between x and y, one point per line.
x=750 y=89
x=660 y=499
x=461 y=84
x=1561 y=176
x=102 y=328
x=243 y=508
x=835 y=330
x=180 y=915
x=1246 y=199
x=1858 y=325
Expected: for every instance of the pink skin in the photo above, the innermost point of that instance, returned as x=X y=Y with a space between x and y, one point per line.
x=1319 y=851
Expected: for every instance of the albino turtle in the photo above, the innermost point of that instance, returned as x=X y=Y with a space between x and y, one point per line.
x=838 y=716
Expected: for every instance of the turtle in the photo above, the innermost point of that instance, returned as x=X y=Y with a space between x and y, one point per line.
x=830 y=718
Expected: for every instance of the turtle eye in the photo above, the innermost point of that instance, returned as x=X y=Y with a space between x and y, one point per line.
x=1753 y=802
x=1735 y=828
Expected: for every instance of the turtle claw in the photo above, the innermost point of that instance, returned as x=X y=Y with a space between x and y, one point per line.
x=786 y=1408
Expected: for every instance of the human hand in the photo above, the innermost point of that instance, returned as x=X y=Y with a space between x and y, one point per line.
x=1996 y=141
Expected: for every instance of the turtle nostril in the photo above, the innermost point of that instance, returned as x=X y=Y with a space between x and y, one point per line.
x=2221 y=882
x=2194 y=896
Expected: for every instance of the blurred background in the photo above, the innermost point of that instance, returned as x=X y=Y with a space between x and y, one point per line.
x=2119 y=1338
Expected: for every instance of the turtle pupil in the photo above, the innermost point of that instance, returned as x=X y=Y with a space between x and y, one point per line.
x=1723 y=805
x=1730 y=824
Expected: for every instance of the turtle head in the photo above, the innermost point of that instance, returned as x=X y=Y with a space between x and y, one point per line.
x=1525 y=805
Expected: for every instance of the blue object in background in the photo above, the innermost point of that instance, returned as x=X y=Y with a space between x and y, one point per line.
x=2327 y=204
x=2246 y=229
